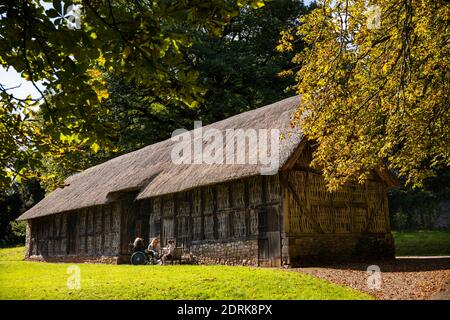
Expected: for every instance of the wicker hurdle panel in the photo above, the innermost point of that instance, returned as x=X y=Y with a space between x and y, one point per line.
x=82 y=232
x=298 y=221
x=223 y=224
x=255 y=190
x=238 y=223
x=273 y=188
x=238 y=194
x=252 y=221
x=197 y=214
x=223 y=196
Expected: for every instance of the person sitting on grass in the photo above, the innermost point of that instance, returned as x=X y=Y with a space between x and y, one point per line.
x=168 y=251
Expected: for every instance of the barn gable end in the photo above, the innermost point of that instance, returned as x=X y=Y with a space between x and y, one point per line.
x=320 y=226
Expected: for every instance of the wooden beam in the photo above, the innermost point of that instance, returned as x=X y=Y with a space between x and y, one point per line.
x=54 y=235
x=294 y=157
x=175 y=216
x=216 y=222
x=102 y=210
x=190 y=218
x=247 y=208
x=262 y=214
x=86 y=221
x=284 y=202
x=202 y=213
x=161 y=221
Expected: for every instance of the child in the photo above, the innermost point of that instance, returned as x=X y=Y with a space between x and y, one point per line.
x=168 y=251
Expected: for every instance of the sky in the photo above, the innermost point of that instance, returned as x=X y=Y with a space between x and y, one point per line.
x=11 y=79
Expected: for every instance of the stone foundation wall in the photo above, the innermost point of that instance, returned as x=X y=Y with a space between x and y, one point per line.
x=74 y=259
x=323 y=248
x=285 y=257
x=27 y=239
x=244 y=252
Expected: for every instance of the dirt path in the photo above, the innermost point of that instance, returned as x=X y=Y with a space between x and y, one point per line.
x=404 y=278
x=443 y=294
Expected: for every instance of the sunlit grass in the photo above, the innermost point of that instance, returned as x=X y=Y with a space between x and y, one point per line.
x=37 y=280
x=422 y=243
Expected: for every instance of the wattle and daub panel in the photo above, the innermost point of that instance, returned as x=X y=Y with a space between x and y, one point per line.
x=352 y=209
x=87 y=232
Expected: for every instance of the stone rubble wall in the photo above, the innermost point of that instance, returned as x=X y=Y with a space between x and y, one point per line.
x=74 y=259
x=316 y=249
x=243 y=252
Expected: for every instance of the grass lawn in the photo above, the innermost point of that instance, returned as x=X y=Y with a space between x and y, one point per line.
x=36 y=280
x=422 y=243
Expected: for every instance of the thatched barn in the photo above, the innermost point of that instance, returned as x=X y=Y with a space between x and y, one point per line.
x=221 y=213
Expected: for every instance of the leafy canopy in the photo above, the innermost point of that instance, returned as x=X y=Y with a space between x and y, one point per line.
x=138 y=41
x=240 y=69
x=237 y=70
x=375 y=84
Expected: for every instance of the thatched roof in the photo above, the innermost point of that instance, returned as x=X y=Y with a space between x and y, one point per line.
x=150 y=172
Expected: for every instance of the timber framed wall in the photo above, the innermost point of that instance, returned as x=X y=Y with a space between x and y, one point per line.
x=352 y=222
x=91 y=234
x=236 y=222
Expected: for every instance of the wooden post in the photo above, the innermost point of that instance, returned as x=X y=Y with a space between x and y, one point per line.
x=215 y=227
x=175 y=216
x=161 y=221
x=284 y=201
x=190 y=219
x=231 y=211
x=102 y=212
x=202 y=214
x=94 y=228
x=262 y=214
x=86 y=221
x=247 y=208
x=54 y=235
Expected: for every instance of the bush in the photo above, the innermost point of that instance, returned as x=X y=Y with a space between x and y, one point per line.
x=413 y=210
x=399 y=221
x=15 y=233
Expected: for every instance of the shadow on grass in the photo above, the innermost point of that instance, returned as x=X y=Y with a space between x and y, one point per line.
x=401 y=264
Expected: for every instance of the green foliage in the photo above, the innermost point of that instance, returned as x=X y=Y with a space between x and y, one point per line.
x=413 y=210
x=16 y=232
x=374 y=96
x=13 y=202
x=419 y=209
x=139 y=42
x=422 y=243
x=238 y=71
x=31 y=280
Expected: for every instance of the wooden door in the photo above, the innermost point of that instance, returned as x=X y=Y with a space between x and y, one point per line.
x=269 y=242
x=274 y=235
x=274 y=248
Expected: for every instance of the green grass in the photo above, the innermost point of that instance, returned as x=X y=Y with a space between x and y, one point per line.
x=422 y=243
x=36 y=280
